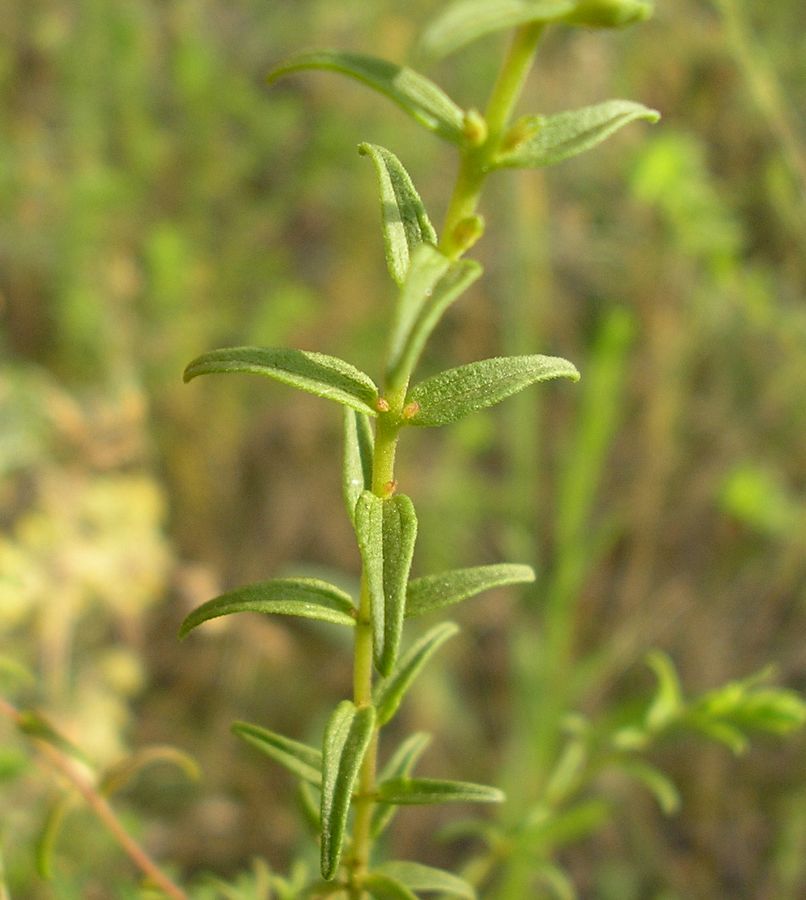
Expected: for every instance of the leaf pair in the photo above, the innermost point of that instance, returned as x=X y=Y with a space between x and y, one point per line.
x=386 y=532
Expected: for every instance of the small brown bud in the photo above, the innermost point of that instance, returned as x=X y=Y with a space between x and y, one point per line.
x=410 y=410
x=382 y=405
x=389 y=488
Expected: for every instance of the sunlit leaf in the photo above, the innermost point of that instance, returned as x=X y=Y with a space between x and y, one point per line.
x=302 y=760
x=417 y=95
x=537 y=141
x=384 y=887
x=389 y=693
x=316 y=373
x=419 y=791
x=465 y=21
x=308 y=598
x=419 y=877
x=405 y=222
x=453 y=394
x=358 y=450
x=432 y=285
x=347 y=736
x=446 y=588
x=400 y=765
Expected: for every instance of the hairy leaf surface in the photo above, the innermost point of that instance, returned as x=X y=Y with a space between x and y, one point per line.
x=467 y=20
x=453 y=394
x=316 y=373
x=309 y=598
x=302 y=760
x=447 y=588
x=405 y=222
x=417 y=95
x=399 y=535
x=537 y=141
x=347 y=737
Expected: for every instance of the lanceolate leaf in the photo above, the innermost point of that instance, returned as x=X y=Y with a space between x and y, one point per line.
x=467 y=20
x=414 y=93
x=657 y=782
x=433 y=283
x=609 y=13
x=347 y=736
x=358 y=448
x=455 y=393
x=399 y=535
x=405 y=222
x=302 y=760
x=309 y=598
x=537 y=141
x=446 y=588
x=316 y=373
x=389 y=693
x=418 y=877
x=400 y=765
x=420 y=791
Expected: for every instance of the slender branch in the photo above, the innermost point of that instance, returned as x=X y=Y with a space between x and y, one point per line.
x=100 y=806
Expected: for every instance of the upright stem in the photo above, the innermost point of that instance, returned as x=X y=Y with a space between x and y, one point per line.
x=473 y=169
x=476 y=161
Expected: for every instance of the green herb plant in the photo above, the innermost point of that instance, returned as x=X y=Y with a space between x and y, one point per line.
x=354 y=784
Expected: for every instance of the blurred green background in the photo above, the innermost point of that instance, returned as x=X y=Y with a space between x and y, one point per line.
x=157 y=201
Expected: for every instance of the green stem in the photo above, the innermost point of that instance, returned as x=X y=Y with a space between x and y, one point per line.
x=476 y=160
x=473 y=170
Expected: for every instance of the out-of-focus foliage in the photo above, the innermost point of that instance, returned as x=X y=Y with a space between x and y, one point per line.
x=158 y=201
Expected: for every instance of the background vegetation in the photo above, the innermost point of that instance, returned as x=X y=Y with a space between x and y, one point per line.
x=156 y=201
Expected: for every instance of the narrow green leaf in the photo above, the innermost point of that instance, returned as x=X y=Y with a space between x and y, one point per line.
x=537 y=141
x=358 y=451
x=302 y=760
x=389 y=693
x=116 y=777
x=315 y=373
x=34 y=725
x=309 y=598
x=609 y=13
x=347 y=736
x=386 y=531
x=52 y=828
x=468 y=20
x=668 y=701
x=419 y=877
x=415 y=94
x=446 y=588
x=399 y=532
x=432 y=285
x=400 y=765
x=405 y=222
x=658 y=783
x=384 y=887
x=420 y=791
x=453 y=394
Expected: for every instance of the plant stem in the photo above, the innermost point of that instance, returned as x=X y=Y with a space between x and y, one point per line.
x=473 y=170
x=101 y=807
x=476 y=161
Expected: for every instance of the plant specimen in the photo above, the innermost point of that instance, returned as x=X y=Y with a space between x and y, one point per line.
x=431 y=271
